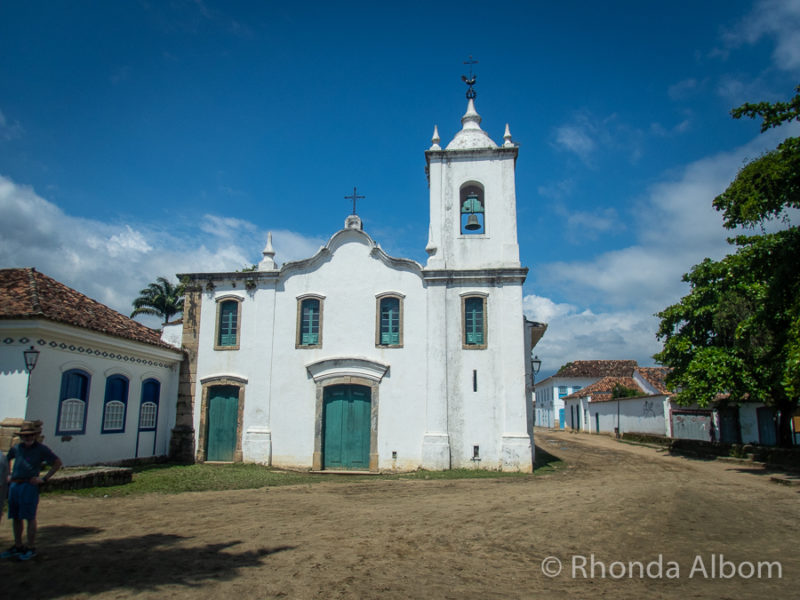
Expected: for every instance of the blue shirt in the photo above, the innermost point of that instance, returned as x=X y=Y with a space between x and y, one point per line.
x=28 y=460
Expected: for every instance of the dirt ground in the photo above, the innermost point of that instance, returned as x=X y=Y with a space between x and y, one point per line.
x=435 y=539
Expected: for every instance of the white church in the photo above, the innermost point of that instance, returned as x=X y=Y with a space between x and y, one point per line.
x=352 y=359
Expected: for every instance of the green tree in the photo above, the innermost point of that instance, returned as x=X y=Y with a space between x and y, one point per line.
x=162 y=299
x=737 y=332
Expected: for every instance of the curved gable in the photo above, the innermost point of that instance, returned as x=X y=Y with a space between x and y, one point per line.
x=340 y=239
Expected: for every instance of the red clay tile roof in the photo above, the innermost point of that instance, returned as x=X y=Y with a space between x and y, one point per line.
x=28 y=294
x=601 y=391
x=655 y=376
x=597 y=368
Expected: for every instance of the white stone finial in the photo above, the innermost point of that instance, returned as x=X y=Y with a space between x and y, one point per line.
x=436 y=139
x=507 y=137
x=268 y=262
x=471 y=134
x=471 y=118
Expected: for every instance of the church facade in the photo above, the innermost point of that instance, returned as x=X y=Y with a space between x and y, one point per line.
x=399 y=367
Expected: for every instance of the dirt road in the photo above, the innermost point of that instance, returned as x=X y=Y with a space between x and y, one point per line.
x=622 y=505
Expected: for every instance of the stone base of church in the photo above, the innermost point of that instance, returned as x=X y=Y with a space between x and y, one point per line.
x=516 y=453
x=436 y=451
x=181 y=445
x=257 y=445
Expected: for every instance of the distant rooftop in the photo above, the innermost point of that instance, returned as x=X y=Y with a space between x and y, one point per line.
x=597 y=368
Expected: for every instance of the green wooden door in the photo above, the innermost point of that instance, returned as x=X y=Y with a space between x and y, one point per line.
x=346 y=427
x=223 y=415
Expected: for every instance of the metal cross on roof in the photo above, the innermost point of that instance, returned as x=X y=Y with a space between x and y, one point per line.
x=471 y=80
x=354 y=197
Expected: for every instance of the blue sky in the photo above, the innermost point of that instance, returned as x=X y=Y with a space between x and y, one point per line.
x=147 y=138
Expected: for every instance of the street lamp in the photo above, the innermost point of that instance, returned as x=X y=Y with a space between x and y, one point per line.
x=31 y=357
x=536 y=364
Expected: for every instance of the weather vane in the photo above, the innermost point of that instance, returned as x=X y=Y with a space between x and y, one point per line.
x=470 y=81
x=354 y=197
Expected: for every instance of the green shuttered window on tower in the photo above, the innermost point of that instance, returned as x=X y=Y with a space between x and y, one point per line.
x=474 y=321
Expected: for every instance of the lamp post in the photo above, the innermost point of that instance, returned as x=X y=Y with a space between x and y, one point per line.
x=31 y=357
x=536 y=364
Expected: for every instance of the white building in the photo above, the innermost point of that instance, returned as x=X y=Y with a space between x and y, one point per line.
x=103 y=385
x=550 y=392
x=646 y=407
x=597 y=409
x=353 y=359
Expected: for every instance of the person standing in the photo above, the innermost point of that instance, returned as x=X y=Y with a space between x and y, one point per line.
x=23 y=498
x=3 y=482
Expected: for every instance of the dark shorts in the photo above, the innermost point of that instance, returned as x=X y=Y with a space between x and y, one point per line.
x=23 y=499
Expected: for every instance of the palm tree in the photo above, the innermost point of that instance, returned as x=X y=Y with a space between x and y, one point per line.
x=162 y=299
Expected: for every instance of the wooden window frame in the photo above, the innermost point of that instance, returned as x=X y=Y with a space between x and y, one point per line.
x=220 y=301
x=298 y=342
x=483 y=297
x=400 y=301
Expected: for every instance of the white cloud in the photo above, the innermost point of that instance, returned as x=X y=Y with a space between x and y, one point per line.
x=111 y=262
x=587 y=136
x=776 y=19
x=675 y=229
x=684 y=89
x=557 y=189
x=576 y=139
x=9 y=130
x=575 y=334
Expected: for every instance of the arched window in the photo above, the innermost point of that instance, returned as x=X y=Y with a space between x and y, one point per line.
x=148 y=410
x=309 y=322
x=472 y=209
x=228 y=314
x=390 y=321
x=73 y=402
x=474 y=320
x=115 y=404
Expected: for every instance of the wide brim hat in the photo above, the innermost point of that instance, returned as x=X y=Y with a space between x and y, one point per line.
x=30 y=428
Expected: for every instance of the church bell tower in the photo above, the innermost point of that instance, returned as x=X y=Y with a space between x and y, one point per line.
x=473 y=206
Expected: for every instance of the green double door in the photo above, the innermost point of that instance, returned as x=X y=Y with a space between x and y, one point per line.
x=223 y=416
x=346 y=427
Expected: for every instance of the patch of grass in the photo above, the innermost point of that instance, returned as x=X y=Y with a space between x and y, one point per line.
x=165 y=478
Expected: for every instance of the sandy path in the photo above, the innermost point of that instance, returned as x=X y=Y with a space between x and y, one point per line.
x=431 y=539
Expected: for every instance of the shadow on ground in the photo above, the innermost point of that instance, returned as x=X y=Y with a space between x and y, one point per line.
x=544 y=459
x=70 y=565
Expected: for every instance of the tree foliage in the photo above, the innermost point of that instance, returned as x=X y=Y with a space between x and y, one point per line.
x=161 y=298
x=737 y=333
x=621 y=391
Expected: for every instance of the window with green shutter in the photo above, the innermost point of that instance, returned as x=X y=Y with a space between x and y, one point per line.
x=390 y=321
x=228 y=325
x=475 y=321
x=309 y=335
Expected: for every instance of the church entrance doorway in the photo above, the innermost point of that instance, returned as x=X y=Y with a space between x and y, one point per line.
x=223 y=413
x=346 y=427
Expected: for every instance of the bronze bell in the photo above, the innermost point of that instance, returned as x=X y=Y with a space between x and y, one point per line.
x=472 y=223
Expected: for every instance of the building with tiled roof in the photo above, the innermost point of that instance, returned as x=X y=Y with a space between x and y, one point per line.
x=28 y=294
x=103 y=385
x=602 y=390
x=573 y=376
